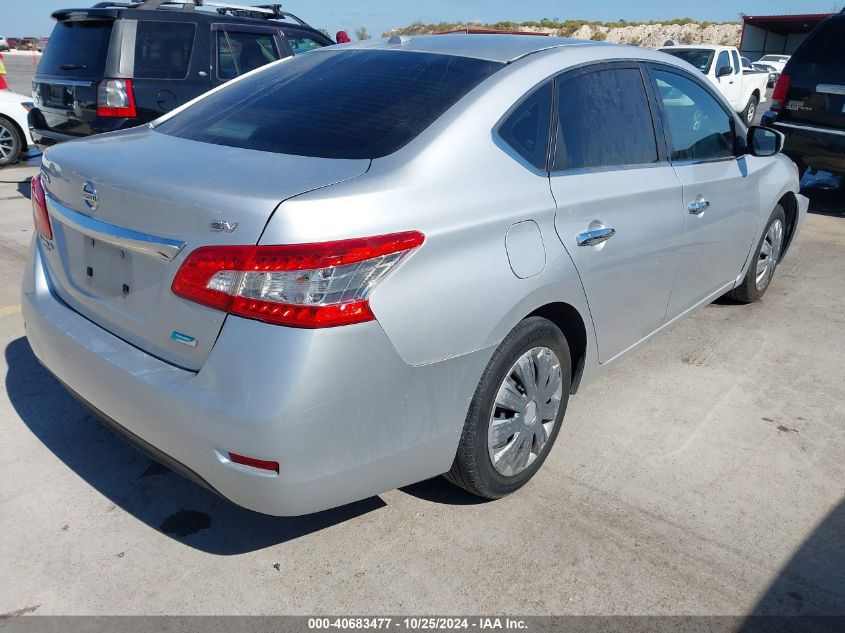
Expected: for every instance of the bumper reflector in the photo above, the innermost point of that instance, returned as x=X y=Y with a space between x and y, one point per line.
x=261 y=464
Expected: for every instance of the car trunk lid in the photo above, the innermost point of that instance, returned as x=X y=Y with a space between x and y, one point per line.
x=126 y=212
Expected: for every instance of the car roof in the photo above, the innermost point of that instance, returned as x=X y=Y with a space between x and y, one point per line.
x=490 y=47
x=118 y=10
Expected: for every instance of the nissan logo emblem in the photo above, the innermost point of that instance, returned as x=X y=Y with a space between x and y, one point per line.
x=89 y=194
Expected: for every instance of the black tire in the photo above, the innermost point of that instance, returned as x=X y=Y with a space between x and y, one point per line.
x=747 y=291
x=473 y=469
x=750 y=110
x=12 y=142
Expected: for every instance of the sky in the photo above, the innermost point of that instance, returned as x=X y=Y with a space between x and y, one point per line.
x=23 y=18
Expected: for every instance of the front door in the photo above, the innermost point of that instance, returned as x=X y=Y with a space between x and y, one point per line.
x=719 y=189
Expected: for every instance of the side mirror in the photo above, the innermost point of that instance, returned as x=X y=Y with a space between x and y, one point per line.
x=764 y=141
x=724 y=71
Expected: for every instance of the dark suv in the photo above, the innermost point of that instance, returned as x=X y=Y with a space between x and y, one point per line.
x=808 y=103
x=121 y=64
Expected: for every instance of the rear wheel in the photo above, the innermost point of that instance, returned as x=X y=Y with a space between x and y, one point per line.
x=765 y=261
x=516 y=412
x=10 y=143
x=750 y=110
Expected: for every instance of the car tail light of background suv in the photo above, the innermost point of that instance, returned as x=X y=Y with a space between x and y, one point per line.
x=116 y=98
x=301 y=285
x=780 y=92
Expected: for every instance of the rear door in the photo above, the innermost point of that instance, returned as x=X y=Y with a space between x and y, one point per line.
x=618 y=201
x=166 y=62
x=71 y=68
x=817 y=78
x=240 y=48
x=720 y=193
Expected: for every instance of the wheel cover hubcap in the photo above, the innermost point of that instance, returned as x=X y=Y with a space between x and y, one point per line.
x=526 y=409
x=769 y=254
x=7 y=143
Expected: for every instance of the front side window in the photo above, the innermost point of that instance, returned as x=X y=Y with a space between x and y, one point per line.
x=240 y=52
x=527 y=128
x=333 y=104
x=603 y=120
x=699 y=127
x=722 y=61
x=163 y=49
x=301 y=43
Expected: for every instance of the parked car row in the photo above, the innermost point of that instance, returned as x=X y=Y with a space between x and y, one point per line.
x=116 y=66
x=23 y=43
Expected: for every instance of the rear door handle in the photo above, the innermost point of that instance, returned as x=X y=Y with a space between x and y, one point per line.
x=699 y=206
x=596 y=236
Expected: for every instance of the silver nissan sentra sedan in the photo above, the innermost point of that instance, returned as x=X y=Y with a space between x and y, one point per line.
x=377 y=263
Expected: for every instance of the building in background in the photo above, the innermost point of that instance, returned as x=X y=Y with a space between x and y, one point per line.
x=775 y=34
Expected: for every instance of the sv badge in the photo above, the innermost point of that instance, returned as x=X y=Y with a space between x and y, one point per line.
x=222 y=225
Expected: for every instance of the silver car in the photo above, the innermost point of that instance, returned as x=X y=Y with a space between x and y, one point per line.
x=378 y=263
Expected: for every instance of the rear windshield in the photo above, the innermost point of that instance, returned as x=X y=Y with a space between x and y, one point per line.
x=77 y=48
x=825 y=45
x=333 y=104
x=700 y=58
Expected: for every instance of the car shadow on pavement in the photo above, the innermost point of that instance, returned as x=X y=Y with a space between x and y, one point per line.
x=438 y=490
x=148 y=491
x=812 y=583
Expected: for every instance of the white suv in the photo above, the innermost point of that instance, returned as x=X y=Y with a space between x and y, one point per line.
x=4 y=45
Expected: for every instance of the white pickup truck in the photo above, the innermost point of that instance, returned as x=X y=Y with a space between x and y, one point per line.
x=744 y=89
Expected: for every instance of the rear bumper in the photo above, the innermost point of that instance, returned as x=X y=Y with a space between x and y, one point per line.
x=49 y=129
x=339 y=410
x=816 y=146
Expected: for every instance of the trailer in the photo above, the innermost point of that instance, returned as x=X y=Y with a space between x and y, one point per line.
x=775 y=34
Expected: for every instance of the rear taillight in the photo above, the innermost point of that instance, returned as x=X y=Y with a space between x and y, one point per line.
x=39 y=208
x=115 y=98
x=302 y=285
x=780 y=92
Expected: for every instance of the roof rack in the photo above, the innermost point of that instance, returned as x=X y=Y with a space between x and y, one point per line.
x=265 y=11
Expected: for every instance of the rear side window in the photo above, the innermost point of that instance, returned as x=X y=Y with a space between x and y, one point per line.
x=163 y=49
x=825 y=45
x=240 y=52
x=77 y=49
x=735 y=58
x=333 y=104
x=604 y=120
x=527 y=128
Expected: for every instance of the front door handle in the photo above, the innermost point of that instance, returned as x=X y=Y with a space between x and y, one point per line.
x=699 y=206
x=596 y=236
